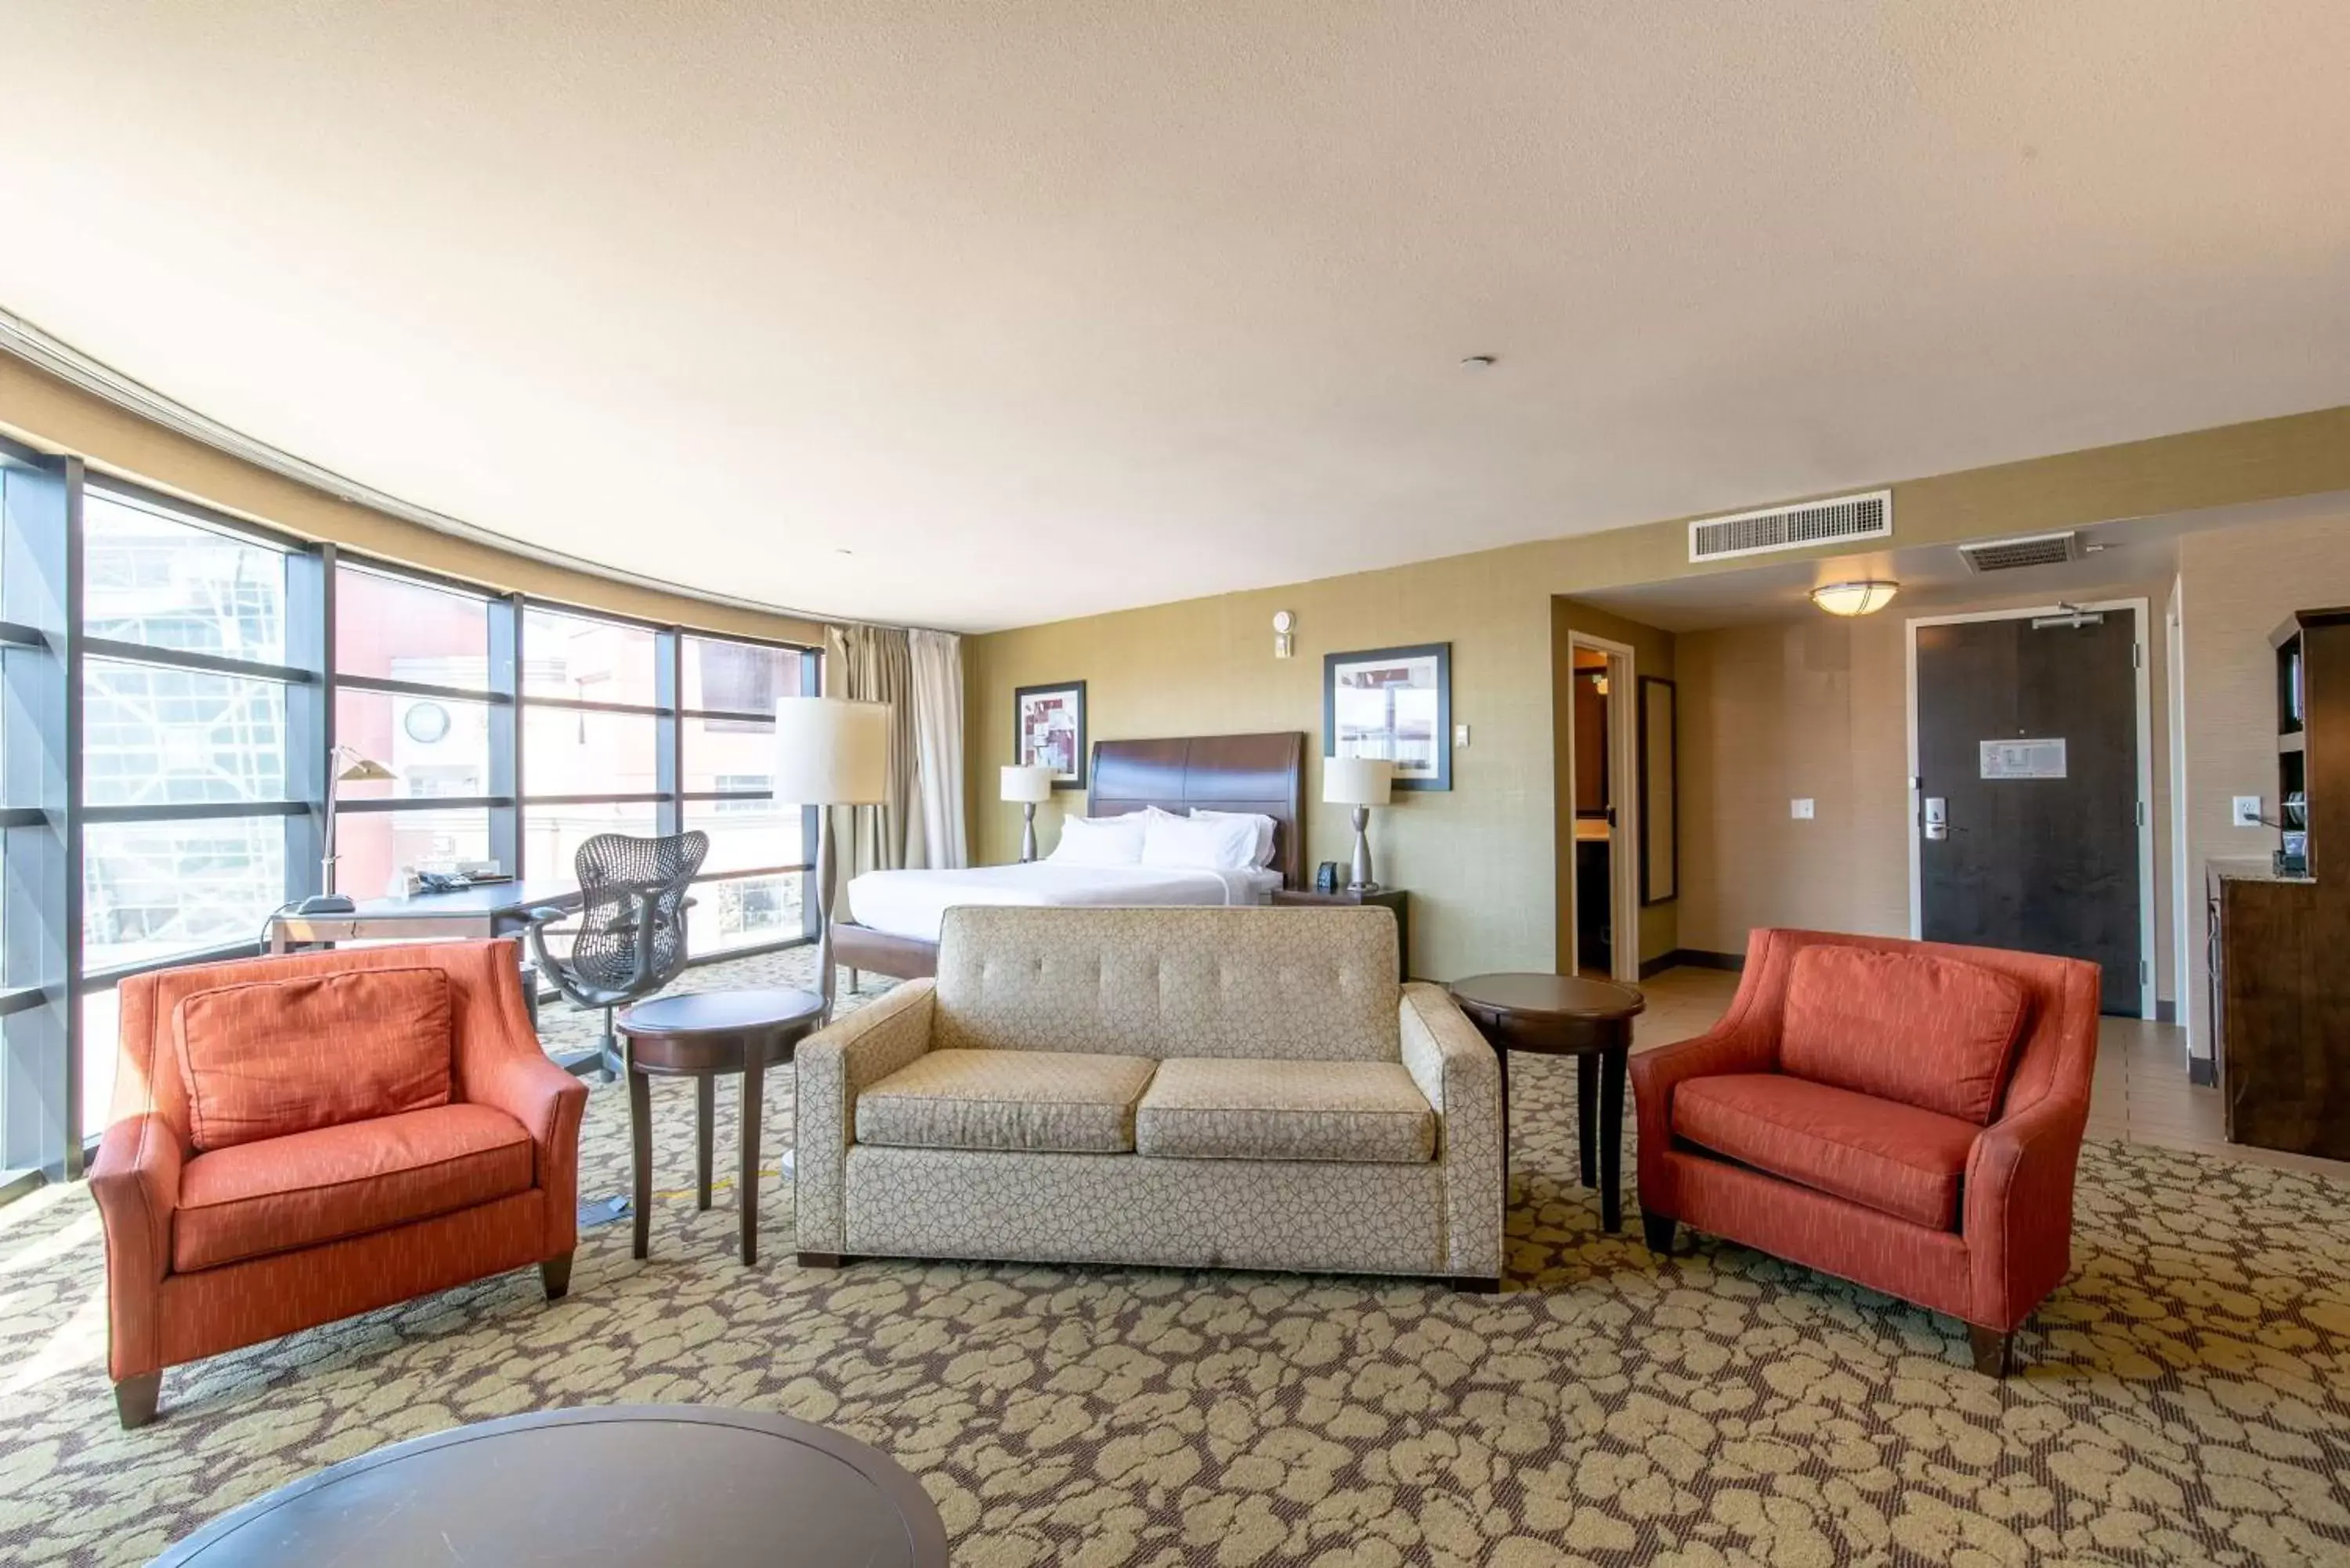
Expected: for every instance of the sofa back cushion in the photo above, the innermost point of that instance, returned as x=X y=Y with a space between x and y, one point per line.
x=1935 y=1033
x=1294 y=984
x=263 y=1059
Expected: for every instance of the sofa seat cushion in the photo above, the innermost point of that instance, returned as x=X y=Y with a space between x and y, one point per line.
x=1880 y=1154
x=1242 y=1109
x=1935 y=1033
x=252 y=1200
x=1062 y=1102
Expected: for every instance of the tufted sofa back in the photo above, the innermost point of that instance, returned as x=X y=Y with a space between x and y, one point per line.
x=1305 y=984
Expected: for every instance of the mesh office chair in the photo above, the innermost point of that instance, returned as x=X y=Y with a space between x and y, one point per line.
x=631 y=938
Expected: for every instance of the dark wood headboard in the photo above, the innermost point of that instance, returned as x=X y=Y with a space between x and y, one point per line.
x=1223 y=772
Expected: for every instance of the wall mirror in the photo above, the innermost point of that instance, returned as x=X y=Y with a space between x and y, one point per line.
x=1661 y=867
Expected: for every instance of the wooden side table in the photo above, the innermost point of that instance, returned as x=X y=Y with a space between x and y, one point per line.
x=1393 y=900
x=703 y=1035
x=1563 y=1016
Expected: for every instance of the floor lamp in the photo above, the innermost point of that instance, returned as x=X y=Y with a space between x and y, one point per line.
x=829 y=751
x=1031 y=787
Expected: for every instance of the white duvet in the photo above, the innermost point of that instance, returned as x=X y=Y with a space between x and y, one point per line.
x=912 y=903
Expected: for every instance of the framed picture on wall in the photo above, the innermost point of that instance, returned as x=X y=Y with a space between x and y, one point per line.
x=1049 y=731
x=1392 y=702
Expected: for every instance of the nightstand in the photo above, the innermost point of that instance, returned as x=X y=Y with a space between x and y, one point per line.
x=1393 y=900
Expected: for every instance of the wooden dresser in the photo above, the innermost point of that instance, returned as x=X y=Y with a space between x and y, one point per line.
x=2279 y=940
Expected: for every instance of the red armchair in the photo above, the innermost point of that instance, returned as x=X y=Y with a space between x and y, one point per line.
x=1904 y=1115
x=296 y=1139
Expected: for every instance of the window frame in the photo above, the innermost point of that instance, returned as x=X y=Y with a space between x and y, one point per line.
x=45 y=976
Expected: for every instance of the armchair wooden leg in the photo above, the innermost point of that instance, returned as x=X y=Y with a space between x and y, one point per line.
x=1994 y=1351
x=1658 y=1230
x=1474 y=1284
x=555 y=1273
x=135 y=1398
x=821 y=1260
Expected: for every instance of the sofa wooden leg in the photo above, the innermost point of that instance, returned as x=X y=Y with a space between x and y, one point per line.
x=1475 y=1284
x=135 y=1398
x=1994 y=1351
x=1657 y=1229
x=821 y=1260
x=555 y=1273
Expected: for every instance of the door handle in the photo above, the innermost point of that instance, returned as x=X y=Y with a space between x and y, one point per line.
x=1934 y=819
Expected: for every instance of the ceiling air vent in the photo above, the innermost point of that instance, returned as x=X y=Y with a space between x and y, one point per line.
x=2033 y=550
x=1829 y=521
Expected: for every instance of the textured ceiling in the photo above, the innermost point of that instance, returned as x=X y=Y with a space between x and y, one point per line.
x=1048 y=308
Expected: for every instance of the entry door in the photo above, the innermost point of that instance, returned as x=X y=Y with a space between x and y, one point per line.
x=2028 y=781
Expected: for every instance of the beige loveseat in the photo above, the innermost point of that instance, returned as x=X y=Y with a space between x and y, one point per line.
x=1243 y=1088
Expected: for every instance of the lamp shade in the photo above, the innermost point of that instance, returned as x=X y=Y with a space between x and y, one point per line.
x=830 y=751
x=1032 y=784
x=1356 y=780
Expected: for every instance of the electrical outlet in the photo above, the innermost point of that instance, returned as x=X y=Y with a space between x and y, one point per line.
x=2247 y=811
x=1801 y=810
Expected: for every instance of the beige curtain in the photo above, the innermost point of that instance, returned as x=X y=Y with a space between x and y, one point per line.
x=875 y=664
x=937 y=747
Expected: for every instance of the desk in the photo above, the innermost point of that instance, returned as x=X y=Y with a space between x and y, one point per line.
x=492 y=909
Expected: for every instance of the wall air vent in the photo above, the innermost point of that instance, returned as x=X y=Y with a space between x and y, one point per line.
x=2033 y=550
x=1829 y=521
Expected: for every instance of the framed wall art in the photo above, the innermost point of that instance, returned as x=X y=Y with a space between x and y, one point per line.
x=1049 y=731
x=1395 y=704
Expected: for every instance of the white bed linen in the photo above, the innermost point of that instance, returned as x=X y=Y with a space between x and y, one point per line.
x=911 y=903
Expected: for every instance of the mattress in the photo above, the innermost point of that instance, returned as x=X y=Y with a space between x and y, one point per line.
x=912 y=903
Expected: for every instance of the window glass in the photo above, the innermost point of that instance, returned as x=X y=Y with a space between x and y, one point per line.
x=594 y=660
x=152 y=579
x=436 y=747
x=151 y=890
x=374 y=847
x=747 y=840
x=552 y=834
x=394 y=629
x=727 y=753
x=570 y=750
x=739 y=676
x=744 y=911
x=156 y=736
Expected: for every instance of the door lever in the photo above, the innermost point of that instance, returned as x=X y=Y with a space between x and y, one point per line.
x=1936 y=819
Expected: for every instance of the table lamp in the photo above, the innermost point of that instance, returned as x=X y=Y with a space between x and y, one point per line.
x=348 y=767
x=1361 y=782
x=1031 y=787
x=830 y=751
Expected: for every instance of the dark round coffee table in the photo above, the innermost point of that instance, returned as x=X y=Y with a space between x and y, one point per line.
x=703 y=1034
x=674 y=1485
x=1564 y=1015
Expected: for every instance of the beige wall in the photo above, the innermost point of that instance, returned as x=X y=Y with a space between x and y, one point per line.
x=2238 y=587
x=51 y=415
x=1480 y=861
x=1819 y=708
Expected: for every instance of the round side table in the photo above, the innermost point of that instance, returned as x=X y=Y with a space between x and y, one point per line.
x=702 y=1035
x=678 y=1485
x=1564 y=1015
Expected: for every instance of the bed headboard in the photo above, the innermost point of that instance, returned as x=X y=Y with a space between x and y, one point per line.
x=1223 y=772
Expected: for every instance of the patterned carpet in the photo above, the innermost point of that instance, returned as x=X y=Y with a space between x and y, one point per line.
x=2186 y=1401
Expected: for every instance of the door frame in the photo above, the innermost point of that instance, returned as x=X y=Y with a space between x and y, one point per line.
x=2140 y=660
x=1623 y=786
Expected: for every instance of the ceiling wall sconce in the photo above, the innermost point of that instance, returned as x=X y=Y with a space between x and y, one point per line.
x=1864 y=597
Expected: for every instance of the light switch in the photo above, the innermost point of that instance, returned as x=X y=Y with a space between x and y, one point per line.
x=1460 y=735
x=2247 y=811
x=1801 y=810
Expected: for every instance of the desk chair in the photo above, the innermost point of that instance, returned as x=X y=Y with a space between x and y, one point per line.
x=631 y=936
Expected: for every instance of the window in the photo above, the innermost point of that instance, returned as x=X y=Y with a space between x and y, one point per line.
x=397 y=629
x=154 y=578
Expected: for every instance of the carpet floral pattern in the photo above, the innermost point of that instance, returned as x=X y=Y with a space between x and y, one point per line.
x=2187 y=1395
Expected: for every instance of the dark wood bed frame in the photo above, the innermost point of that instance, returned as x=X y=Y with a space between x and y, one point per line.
x=1262 y=774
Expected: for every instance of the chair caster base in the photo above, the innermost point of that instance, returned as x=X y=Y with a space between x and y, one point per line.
x=136 y=1398
x=1657 y=1229
x=1994 y=1352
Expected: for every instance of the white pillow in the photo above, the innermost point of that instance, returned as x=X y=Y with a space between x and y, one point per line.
x=1203 y=844
x=1100 y=841
x=1264 y=828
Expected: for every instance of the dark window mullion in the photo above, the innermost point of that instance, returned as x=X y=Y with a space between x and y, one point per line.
x=148 y=653
x=669 y=759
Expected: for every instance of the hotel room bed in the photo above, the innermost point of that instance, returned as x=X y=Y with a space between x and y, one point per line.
x=894 y=924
